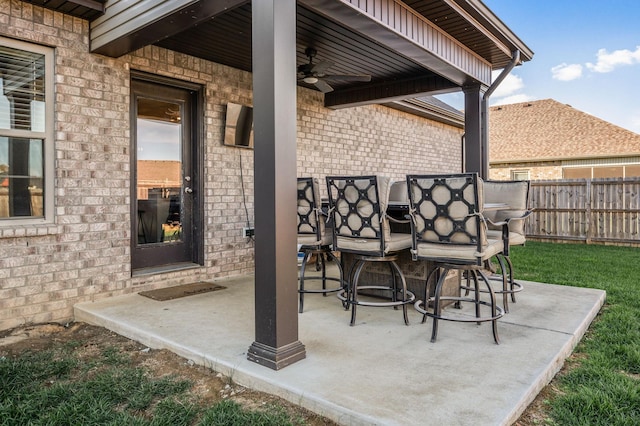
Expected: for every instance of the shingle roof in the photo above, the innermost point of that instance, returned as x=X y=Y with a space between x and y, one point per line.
x=548 y=129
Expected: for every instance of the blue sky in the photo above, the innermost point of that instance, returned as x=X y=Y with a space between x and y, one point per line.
x=586 y=54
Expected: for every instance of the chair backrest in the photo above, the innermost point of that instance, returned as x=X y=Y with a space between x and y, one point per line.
x=398 y=192
x=358 y=205
x=446 y=209
x=311 y=226
x=513 y=193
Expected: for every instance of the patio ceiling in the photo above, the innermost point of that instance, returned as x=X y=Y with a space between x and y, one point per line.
x=85 y=9
x=359 y=37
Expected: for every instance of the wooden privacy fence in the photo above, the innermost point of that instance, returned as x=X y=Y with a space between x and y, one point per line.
x=593 y=210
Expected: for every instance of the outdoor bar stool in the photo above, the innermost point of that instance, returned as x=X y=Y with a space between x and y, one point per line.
x=507 y=223
x=314 y=240
x=447 y=228
x=357 y=205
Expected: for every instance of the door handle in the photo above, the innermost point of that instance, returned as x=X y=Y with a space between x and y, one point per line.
x=188 y=190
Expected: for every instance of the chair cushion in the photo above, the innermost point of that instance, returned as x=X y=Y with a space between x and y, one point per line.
x=512 y=193
x=458 y=252
x=312 y=240
x=515 y=239
x=395 y=242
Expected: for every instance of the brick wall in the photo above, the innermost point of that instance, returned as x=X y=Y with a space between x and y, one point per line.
x=537 y=171
x=85 y=254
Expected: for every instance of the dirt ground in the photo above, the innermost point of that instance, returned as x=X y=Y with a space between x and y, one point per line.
x=208 y=385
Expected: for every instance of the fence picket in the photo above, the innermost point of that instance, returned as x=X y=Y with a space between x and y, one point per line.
x=590 y=210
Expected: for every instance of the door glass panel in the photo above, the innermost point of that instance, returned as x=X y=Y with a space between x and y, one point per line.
x=159 y=172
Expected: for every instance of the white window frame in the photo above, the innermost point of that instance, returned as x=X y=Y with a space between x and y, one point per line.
x=47 y=136
x=514 y=174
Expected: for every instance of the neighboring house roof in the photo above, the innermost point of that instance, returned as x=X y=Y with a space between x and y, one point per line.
x=550 y=130
x=432 y=108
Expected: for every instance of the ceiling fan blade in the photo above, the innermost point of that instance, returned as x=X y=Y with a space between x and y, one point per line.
x=350 y=77
x=321 y=67
x=323 y=86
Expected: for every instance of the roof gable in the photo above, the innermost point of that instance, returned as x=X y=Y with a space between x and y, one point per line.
x=547 y=129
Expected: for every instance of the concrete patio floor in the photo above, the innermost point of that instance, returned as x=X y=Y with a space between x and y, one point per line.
x=380 y=371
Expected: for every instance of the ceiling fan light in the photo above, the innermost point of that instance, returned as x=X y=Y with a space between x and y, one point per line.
x=310 y=80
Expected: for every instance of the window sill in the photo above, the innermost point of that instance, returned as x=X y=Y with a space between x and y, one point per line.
x=29 y=230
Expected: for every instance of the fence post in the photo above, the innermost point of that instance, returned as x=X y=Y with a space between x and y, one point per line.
x=588 y=203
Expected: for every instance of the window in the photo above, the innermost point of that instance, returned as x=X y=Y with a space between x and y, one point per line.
x=519 y=174
x=26 y=133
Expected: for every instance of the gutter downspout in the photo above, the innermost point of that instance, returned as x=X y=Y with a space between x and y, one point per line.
x=484 y=111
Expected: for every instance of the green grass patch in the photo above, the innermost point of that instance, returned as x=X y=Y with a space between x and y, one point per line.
x=603 y=386
x=60 y=387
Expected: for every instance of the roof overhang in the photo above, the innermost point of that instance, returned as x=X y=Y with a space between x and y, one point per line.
x=411 y=48
x=85 y=9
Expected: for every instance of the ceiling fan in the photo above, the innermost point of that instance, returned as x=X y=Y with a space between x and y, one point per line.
x=314 y=73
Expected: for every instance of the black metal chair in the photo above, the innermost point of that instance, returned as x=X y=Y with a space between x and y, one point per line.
x=361 y=227
x=507 y=223
x=313 y=239
x=447 y=228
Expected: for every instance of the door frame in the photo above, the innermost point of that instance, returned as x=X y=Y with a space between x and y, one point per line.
x=197 y=160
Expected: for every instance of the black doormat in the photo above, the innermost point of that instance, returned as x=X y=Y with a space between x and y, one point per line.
x=181 y=291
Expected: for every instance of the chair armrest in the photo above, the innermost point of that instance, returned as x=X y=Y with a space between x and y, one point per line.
x=392 y=219
x=521 y=217
x=505 y=227
x=501 y=223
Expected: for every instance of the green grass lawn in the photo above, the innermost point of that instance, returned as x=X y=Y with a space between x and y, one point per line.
x=602 y=384
x=85 y=383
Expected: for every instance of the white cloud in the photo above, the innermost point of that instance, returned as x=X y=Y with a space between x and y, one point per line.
x=566 y=72
x=607 y=62
x=508 y=90
x=510 y=85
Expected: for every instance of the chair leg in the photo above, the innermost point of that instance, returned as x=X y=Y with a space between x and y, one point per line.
x=437 y=308
x=426 y=293
x=323 y=255
x=476 y=292
x=394 y=285
x=321 y=262
x=333 y=258
x=437 y=299
x=512 y=283
x=494 y=309
x=303 y=268
x=505 y=287
x=348 y=286
x=354 y=291
x=395 y=266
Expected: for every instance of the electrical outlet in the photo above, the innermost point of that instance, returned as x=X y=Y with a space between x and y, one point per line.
x=248 y=232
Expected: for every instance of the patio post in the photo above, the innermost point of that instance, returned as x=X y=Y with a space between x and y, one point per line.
x=476 y=157
x=274 y=101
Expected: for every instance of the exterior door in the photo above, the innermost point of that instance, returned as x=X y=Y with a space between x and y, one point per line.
x=164 y=195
